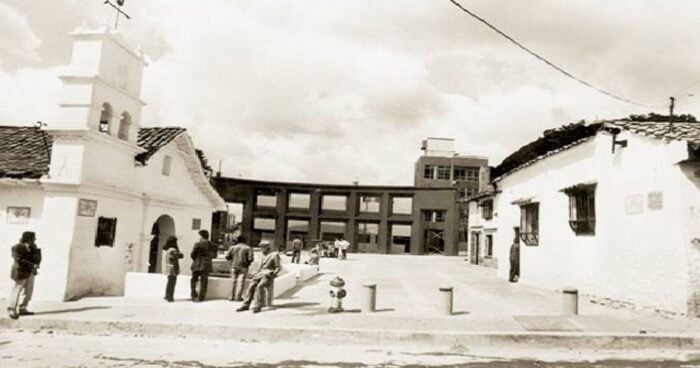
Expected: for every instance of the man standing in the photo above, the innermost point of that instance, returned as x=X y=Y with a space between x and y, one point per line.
x=201 y=255
x=263 y=277
x=515 y=258
x=27 y=257
x=241 y=257
x=297 y=246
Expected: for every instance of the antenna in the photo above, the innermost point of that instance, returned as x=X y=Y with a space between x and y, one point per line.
x=118 y=8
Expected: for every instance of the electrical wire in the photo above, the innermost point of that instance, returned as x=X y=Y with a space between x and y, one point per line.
x=543 y=59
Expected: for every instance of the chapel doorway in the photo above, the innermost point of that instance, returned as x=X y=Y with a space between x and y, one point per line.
x=163 y=228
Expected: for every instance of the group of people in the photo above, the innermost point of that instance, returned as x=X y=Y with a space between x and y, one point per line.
x=27 y=258
x=338 y=248
x=241 y=257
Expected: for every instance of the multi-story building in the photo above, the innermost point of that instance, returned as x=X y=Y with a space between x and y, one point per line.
x=425 y=218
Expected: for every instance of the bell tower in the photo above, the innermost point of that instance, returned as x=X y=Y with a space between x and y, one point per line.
x=102 y=86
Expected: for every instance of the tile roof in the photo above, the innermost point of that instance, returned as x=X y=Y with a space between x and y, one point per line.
x=153 y=139
x=560 y=139
x=682 y=131
x=23 y=154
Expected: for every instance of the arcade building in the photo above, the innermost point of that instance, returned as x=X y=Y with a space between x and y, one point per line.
x=420 y=219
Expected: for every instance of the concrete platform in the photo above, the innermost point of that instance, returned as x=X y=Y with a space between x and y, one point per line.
x=152 y=285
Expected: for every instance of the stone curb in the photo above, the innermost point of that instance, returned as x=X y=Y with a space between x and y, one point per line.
x=613 y=341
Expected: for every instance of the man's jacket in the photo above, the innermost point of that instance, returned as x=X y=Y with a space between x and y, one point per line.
x=270 y=266
x=201 y=255
x=240 y=255
x=27 y=258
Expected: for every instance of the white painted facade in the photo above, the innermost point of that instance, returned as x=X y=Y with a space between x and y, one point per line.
x=89 y=165
x=640 y=254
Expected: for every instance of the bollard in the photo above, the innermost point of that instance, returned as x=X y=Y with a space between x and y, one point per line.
x=370 y=298
x=570 y=301
x=446 y=298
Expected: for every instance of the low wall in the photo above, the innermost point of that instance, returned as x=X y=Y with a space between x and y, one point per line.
x=152 y=285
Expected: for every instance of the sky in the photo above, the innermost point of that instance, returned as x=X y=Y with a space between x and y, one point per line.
x=335 y=91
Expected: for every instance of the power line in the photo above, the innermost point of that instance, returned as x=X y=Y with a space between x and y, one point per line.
x=543 y=59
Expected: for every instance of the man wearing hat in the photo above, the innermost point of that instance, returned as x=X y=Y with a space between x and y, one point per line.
x=27 y=257
x=263 y=277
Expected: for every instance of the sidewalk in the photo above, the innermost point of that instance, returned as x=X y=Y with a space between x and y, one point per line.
x=483 y=316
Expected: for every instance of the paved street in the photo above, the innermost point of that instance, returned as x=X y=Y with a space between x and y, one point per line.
x=407 y=330
x=41 y=349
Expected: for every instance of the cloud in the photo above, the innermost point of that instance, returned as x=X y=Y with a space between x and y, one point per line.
x=329 y=91
x=18 y=39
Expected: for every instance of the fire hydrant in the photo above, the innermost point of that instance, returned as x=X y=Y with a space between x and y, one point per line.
x=337 y=295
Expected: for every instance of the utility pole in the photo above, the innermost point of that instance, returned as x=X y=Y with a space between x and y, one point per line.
x=670 y=115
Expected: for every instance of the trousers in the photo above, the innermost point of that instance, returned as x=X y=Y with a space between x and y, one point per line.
x=296 y=256
x=21 y=294
x=238 y=275
x=170 y=288
x=202 y=278
x=257 y=290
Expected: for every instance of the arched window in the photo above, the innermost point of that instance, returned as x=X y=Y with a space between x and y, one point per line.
x=105 y=118
x=124 y=125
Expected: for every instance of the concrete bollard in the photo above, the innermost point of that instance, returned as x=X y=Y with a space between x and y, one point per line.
x=570 y=301
x=370 y=301
x=446 y=300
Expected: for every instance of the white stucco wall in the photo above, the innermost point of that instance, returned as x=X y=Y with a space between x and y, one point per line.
x=640 y=257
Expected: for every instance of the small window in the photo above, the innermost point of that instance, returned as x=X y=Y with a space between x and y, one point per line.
x=434 y=215
x=334 y=202
x=473 y=174
x=488 y=245
x=260 y=223
x=124 y=125
x=106 y=230
x=369 y=203
x=429 y=172
x=487 y=209
x=167 y=163
x=402 y=205
x=105 y=118
x=299 y=200
x=460 y=173
x=443 y=172
x=266 y=201
x=196 y=224
x=582 y=209
x=529 y=223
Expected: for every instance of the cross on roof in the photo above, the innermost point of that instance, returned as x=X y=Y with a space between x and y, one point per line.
x=117 y=7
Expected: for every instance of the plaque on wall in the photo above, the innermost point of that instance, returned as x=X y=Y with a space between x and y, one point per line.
x=196 y=224
x=634 y=204
x=655 y=200
x=87 y=208
x=18 y=215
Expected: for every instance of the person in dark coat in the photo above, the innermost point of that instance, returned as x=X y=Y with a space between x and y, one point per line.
x=241 y=257
x=172 y=266
x=201 y=255
x=27 y=258
x=515 y=258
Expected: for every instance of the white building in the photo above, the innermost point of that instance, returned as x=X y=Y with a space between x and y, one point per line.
x=111 y=192
x=612 y=209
